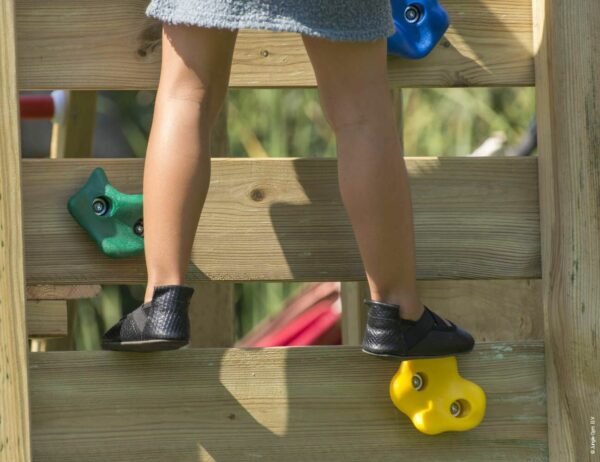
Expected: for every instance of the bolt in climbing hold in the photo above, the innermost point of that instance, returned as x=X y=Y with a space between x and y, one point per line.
x=111 y=218
x=412 y=14
x=435 y=397
x=420 y=25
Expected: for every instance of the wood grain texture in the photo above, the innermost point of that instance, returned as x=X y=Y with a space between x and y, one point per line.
x=46 y=318
x=85 y=44
x=14 y=398
x=283 y=219
x=568 y=111
x=490 y=309
x=354 y=311
x=61 y=292
x=212 y=314
x=277 y=404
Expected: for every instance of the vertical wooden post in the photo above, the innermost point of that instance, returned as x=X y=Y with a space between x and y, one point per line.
x=212 y=308
x=354 y=314
x=72 y=138
x=567 y=71
x=14 y=396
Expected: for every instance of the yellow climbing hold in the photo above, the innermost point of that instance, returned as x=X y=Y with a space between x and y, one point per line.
x=435 y=397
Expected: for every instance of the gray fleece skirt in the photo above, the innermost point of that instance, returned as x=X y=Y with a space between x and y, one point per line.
x=356 y=20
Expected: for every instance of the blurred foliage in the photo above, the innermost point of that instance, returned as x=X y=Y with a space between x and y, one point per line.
x=278 y=123
x=290 y=122
x=456 y=121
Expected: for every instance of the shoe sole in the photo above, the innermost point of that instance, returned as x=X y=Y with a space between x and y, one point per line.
x=145 y=346
x=406 y=358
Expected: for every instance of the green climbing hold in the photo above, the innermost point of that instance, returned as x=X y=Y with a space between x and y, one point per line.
x=112 y=219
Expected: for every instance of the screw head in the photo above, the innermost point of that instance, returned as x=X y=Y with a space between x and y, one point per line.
x=455 y=408
x=417 y=381
x=138 y=228
x=100 y=206
x=412 y=14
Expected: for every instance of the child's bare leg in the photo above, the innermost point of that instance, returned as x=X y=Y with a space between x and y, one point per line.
x=194 y=77
x=356 y=98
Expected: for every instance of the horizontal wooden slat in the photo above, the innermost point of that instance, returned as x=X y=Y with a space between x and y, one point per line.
x=86 y=44
x=283 y=219
x=47 y=318
x=61 y=292
x=490 y=309
x=279 y=404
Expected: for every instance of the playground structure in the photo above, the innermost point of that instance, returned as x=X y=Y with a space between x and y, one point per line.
x=521 y=257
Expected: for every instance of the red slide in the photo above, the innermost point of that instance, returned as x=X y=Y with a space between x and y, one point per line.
x=312 y=317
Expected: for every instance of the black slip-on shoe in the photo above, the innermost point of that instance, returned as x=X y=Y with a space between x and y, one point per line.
x=387 y=334
x=160 y=324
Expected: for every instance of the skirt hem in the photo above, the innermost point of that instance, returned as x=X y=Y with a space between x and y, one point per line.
x=279 y=25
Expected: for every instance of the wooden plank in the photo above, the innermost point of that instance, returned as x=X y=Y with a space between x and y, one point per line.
x=212 y=315
x=84 y=44
x=61 y=292
x=302 y=403
x=354 y=311
x=47 y=318
x=277 y=219
x=14 y=398
x=490 y=309
x=568 y=111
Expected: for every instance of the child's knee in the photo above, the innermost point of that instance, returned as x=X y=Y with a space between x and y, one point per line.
x=206 y=96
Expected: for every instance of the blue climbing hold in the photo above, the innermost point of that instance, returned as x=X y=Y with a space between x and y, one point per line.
x=420 y=24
